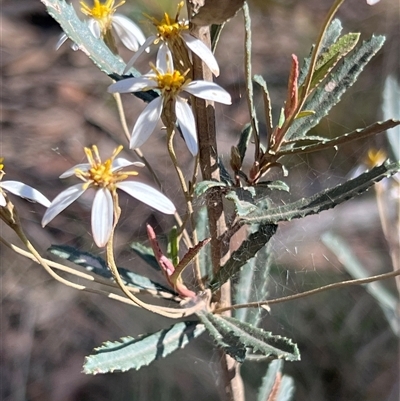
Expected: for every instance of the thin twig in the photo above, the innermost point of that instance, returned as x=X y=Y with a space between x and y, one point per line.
x=249 y=81
x=304 y=294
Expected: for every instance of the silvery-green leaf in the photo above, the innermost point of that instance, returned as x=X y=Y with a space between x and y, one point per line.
x=133 y=353
x=323 y=200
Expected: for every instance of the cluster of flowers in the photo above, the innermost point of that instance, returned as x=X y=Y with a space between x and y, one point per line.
x=176 y=46
x=106 y=177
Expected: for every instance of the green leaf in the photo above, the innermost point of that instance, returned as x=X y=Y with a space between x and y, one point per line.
x=133 y=353
x=277 y=185
x=202 y=229
x=242 y=207
x=98 y=266
x=252 y=285
x=235 y=337
x=305 y=113
x=173 y=246
x=323 y=143
x=247 y=250
x=336 y=84
x=79 y=32
x=229 y=342
x=244 y=140
x=203 y=186
x=323 y=200
x=331 y=35
x=259 y=80
x=215 y=33
x=329 y=59
x=274 y=376
x=223 y=174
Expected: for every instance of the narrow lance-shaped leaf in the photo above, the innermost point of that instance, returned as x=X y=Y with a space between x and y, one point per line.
x=252 y=285
x=246 y=251
x=335 y=85
x=98 y=266
x=292 y=93
x=324 y=143
x=188 y=257
x=259 y=80
x=331 y=35
x=79 y=32
x=242 y=207
x=211 y=12
x=133 y=353
x=173 y=246
x=323 y=200
x=244 y=141
x=328 y=60
x=276 y=386
x=203 y=186
x=235 y=337
x=229 y=342
x=202 y=229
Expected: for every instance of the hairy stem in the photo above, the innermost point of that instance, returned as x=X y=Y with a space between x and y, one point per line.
x=208 y=160
x=188 y=199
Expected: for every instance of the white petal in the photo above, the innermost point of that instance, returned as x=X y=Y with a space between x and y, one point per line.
x=25 y=191
x=102 y=217
x=2 y=200
x=146 y=123
x=62 y=201
x=129 y=33
x=133 y=84
x=209 y=91
x=164 y=61
x=121 y=163
x=147 y=195
x=201 y=50
x=372 y=2
x=149 y=41
x=94 y=28
x=187 y=124
x=71 y=171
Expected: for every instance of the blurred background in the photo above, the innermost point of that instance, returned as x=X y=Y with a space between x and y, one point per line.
x=55 y=102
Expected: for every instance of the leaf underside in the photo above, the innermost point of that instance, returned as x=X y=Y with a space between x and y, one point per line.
x=323 y=200
x=235 y=337
x=134 y=353
x=98 y=266
x=335 y=85
x=79 y=32
x=247 y=250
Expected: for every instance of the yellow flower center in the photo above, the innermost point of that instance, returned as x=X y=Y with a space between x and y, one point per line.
x=101 y=174
x=375 y=157
x=168 y=28
x=101 y=12
x=170 y=82
x=1 y=163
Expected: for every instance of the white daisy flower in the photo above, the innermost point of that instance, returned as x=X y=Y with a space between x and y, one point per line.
x=171 y=83
x=104 y=23
x=19 y=189
x=174 y=33
x=106 y=178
